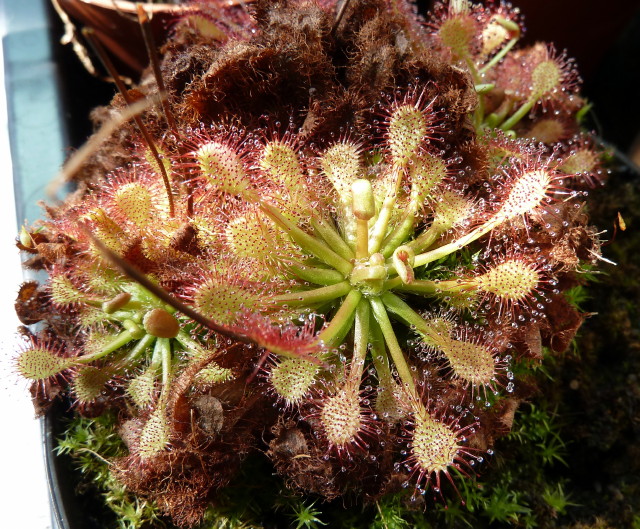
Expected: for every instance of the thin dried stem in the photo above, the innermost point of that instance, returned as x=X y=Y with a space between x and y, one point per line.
x=154 y=60
x=75 y=162
x=149 y=42
x=106 y=61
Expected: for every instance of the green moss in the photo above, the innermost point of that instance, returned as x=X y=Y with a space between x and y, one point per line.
x=92 y=444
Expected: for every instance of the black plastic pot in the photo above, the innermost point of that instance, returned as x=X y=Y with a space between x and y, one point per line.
x=70 y=509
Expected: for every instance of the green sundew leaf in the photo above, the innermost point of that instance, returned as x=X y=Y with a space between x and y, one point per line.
x=407 y=130
x=213 y=374
x=97 y=340
x=341 y=165
x=292 y=378
x=457 y=33
x=89 y=383
x=153 y=162
x=142 y=388
x=90 y=316
x=39 y=363
x=280 y=161
x=134 y=202
x=104 y=281
x=154 y=437
x=222 y=302
x=64 y=292
x=222 y=167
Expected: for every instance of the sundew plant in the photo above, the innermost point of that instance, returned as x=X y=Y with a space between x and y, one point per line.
x=339 y=240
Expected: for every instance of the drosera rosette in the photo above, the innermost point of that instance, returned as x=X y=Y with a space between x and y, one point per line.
x=368 y=290
x=534 y=88
x=549 y=80
x=347 y=293
x=478 y=35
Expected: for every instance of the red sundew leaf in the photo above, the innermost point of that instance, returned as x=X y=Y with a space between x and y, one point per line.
x=285 y=340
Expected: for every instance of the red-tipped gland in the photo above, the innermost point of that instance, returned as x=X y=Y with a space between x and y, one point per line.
x=89 y=383
x=341 y=418
x=548 y=130
x=40 y=362
x=134 y=202
x=213 y=374
x=222 y=300
x=98 y=338
x=154 y=437
x=254 y=237
x=341 y=165
x=106 y=230
x=64 y=292
x=472 y=362
x=458 y=32
x=584 y=160
x=251 y=235
x=513 y=280
x=142 y=388
x=545 y=78
x=426 y=173
x=436 y=446
x=292 y=379
x=552 y=74
x=496 y=33
x=388 y=402
x=280 y=162
x=222 y=167
x=451 y=210
x=407 y=131
x=470 y=358
x=282 y=339
x=538 y=76
x=153 y=162
x=527 y=193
